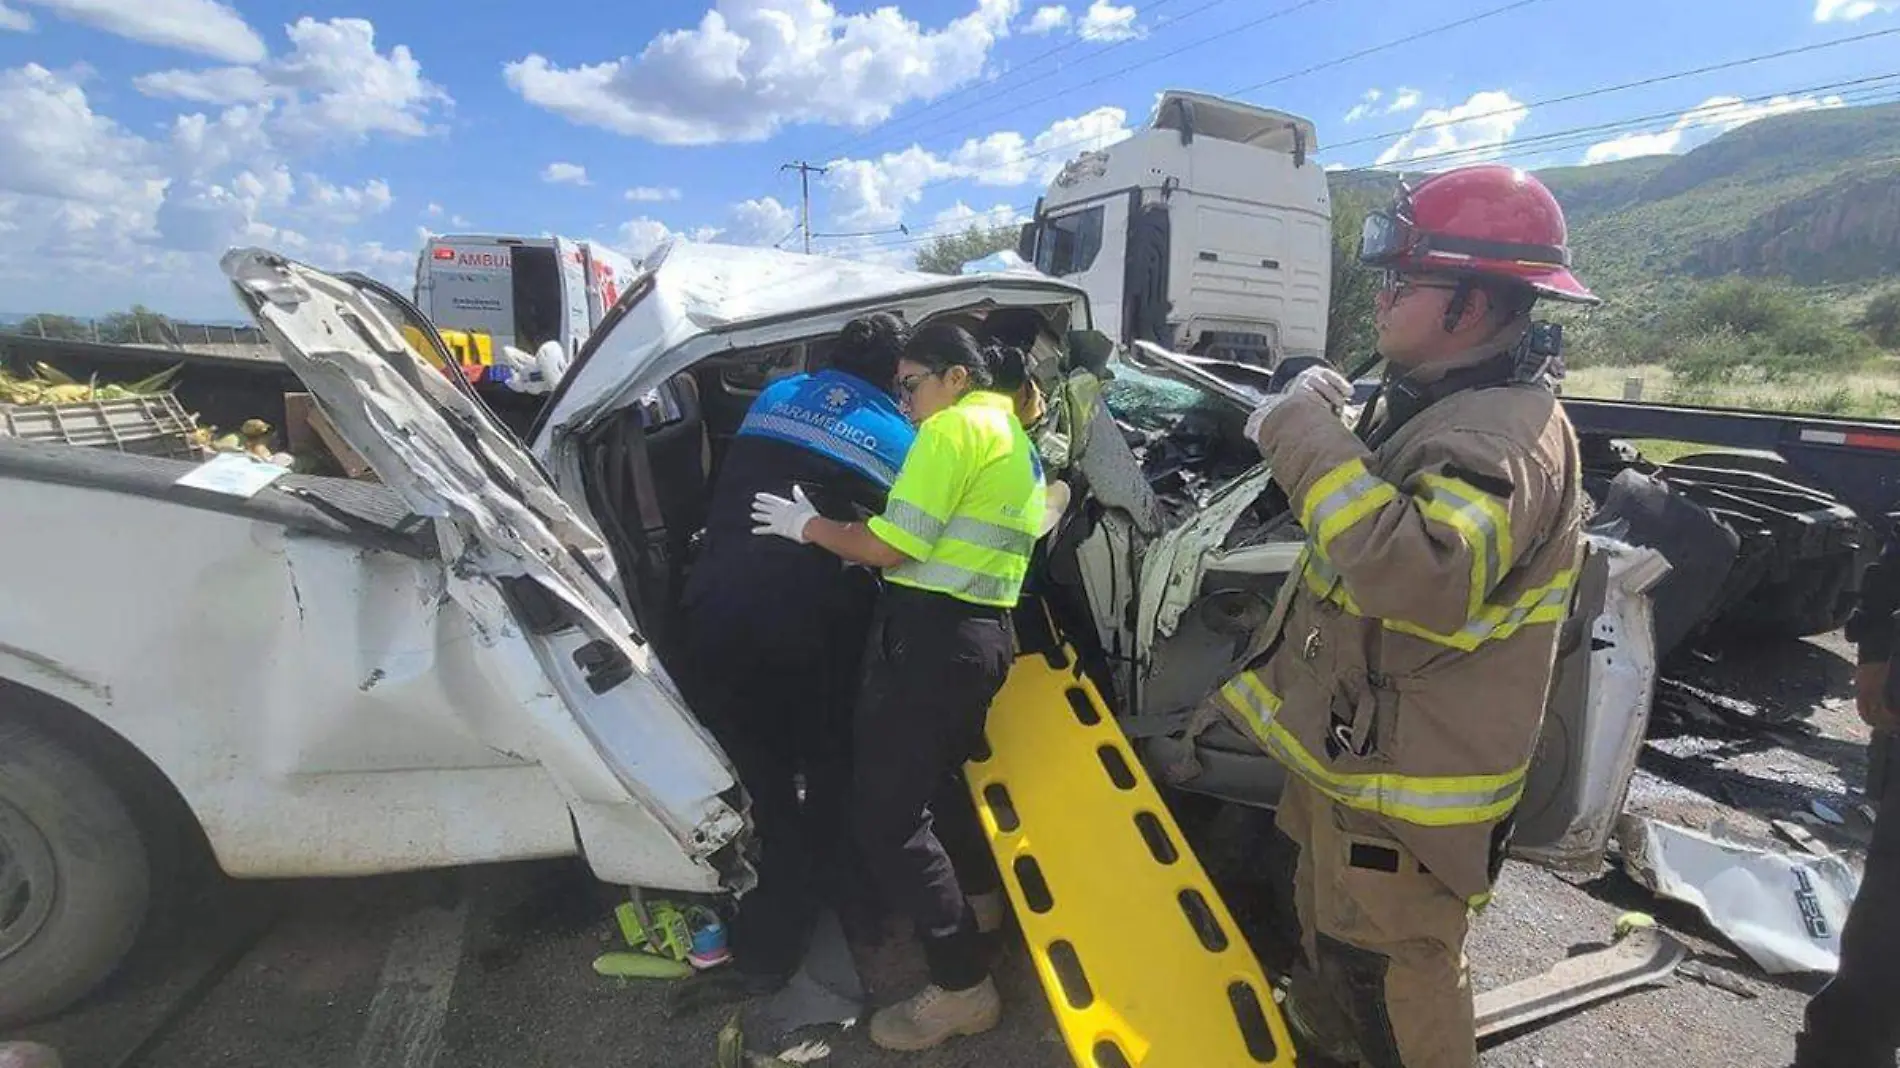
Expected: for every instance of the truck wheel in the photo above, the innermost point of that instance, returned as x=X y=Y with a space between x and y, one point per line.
x=74 y=877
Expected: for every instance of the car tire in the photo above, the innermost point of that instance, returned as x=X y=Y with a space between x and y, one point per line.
x=75 y=875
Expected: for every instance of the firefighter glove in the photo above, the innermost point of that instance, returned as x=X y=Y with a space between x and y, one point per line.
x=1321 y=382
x=785 y=518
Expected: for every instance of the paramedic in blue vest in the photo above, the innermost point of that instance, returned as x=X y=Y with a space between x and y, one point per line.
x=775 y=631
x=954 y=544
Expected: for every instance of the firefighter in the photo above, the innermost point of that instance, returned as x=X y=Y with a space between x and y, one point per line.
x=775 y=632
x=1850 y=1023
x=954 y=543
x=1403 y=674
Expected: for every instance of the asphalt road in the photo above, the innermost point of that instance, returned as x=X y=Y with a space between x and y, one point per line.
x=490 y=967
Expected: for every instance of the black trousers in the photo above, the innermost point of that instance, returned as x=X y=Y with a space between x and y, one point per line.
x=774 y=680
x=1854 y=1022
x=932 y=666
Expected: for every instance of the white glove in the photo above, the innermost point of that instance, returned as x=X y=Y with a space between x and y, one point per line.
x=787 y=519
x=1322 y=382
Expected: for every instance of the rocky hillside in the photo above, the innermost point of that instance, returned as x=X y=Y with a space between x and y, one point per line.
x=1813 y=198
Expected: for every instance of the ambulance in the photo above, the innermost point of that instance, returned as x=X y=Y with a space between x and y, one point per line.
x=486 y=291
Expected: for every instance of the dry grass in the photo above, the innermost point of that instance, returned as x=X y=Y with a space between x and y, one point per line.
x=1871 y=392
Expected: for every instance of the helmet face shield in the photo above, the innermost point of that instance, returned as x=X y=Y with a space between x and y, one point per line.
x=1383 y=239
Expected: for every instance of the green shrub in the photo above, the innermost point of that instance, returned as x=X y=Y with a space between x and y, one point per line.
x=1881 y=319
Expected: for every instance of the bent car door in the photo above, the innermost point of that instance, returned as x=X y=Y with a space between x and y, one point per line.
x=607 y=722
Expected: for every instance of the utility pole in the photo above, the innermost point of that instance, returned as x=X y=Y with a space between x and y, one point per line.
x=805 y=171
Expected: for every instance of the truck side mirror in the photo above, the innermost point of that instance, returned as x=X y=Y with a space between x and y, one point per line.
x=1026 y=242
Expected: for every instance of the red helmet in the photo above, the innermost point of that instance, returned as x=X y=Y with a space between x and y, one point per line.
x=1489 y=220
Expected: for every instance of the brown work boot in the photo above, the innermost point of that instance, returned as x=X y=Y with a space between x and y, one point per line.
x=935 y=1015
x=28 y=1055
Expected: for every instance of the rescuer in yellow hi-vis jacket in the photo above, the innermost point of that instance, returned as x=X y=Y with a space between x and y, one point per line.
x=1405 y=670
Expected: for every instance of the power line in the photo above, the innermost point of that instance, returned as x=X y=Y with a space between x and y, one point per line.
x=1605 y=90
x=1280 y=13
x=1388 y=46
x=1408 y=39
x=1872 y=89
x=1028 y=64
x=1868 y=87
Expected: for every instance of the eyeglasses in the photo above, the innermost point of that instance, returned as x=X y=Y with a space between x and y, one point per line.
x=1395 y=285
x=908 y=384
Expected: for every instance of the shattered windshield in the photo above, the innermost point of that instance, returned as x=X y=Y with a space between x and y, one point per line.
x=1189 y=440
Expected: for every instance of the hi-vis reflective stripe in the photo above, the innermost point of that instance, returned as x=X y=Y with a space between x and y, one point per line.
x=948 y=578
x=1324 y=580
x=1429 y=801
x=914 y=521
x=1480 y=521
x=1342 y=497
x=1548 y=603
x=991 y=535
x=823 y=441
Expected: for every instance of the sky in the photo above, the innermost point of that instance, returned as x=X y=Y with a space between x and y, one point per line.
x=140 y=138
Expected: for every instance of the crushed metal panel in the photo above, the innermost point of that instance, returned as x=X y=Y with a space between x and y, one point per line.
x=1588 y=748
x=498 y=519
x=1785 y=912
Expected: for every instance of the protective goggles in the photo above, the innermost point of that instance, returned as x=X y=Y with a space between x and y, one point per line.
x=1389 y=237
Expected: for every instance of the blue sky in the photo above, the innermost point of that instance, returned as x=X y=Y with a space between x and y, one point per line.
x=138 y=138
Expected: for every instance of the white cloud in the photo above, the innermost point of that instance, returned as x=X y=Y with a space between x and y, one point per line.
x=871 y=193
x=220 y=85
x=647 y=194
x=202 y=26
x=1105 y=22
x=52 y=144
x=1703 y=123
x=345 y=203
x=558 y=173
x=762 y=221
x=1851 y=10
x=97 y=217
x=759 y=222
x=753 y=66
x=641 y=236
x=1048 y=20
x=1366 y=105
x=459 y=221
x=433 y=211
x=333 y=86
x=960 y=215
x=1403 y=100
x=17 y=21
x=1475 y=130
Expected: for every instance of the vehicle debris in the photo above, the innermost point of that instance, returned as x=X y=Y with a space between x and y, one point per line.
x=1784 y=912
x=1641 y=955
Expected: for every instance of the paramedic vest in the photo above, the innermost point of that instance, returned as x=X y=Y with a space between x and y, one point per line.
x=836 y=415
x=968 y=504
x=1408 y=661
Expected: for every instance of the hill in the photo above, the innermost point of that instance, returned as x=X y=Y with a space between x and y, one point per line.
x=1812 y=198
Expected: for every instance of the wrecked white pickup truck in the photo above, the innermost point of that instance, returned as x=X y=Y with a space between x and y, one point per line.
x=466 y=663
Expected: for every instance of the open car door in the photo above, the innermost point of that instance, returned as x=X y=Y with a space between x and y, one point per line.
x=1203 y=592
x=530 y=572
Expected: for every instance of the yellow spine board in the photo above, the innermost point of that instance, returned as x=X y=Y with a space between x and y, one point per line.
x=1143 y=965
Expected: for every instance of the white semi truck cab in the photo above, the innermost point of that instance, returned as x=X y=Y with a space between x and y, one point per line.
x=1207 y=232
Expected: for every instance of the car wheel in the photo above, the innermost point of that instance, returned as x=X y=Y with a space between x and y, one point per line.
x=75 y=881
